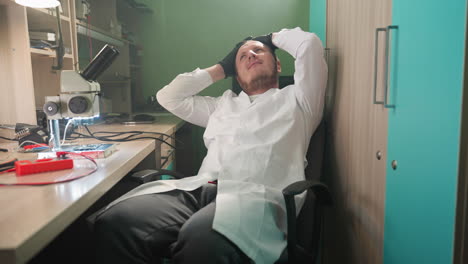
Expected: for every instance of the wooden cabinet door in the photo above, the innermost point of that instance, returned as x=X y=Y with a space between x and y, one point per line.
x=426 y=84
x=354 y=229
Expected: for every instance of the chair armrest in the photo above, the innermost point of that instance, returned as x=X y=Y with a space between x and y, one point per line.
x=320 y=190
x=145 y=176
x=323 y=197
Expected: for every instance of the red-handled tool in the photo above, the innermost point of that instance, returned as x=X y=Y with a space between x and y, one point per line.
x=24 y=167
x=35 y=146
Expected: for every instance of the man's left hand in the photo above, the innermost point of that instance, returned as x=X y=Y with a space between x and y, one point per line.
x=267 y=40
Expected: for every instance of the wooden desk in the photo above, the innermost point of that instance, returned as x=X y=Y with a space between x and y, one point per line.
x=31 y=217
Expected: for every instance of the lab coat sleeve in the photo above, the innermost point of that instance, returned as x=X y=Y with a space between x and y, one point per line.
x=180 y=97
x=310 y=77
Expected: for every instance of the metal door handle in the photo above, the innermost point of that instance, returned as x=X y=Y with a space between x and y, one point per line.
x=378 y=155
x=387 y=68
x=376 y=62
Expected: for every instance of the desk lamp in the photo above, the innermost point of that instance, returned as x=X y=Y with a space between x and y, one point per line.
x=38 y=3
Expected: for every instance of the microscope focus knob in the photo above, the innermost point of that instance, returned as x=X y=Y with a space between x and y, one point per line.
x=78 y=104
x=51 y=108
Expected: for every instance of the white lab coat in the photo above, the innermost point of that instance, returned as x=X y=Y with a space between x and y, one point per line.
x=254 y=149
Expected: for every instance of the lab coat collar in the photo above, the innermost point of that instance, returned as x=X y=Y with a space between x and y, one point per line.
x=245 y=97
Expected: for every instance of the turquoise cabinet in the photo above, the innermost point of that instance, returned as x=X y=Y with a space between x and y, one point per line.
x=427 y=53
x=395 y=193
x=318 y=19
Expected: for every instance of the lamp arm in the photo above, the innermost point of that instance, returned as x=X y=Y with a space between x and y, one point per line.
x=59 y=50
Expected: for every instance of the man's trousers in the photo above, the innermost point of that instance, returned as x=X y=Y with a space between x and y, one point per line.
x=175 y=224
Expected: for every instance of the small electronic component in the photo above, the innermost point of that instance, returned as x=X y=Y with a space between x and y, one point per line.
x=25 y=132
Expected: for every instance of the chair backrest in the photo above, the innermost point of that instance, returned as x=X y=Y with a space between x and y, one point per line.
x=315 y=152
x=309 y=219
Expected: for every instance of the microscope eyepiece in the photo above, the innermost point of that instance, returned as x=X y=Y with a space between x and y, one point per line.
x=100 y=63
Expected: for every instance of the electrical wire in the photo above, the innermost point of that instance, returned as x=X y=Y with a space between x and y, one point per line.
x=108 y=137
x=167 y=159
x=50 y=139
x=135 y=135
x=59 y=154
x=141 y=132
x=31 y=142
x=65 y=131
x=11 y=139
x=7 y=126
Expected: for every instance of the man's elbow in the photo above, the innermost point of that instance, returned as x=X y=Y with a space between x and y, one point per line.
x=162 y=98
x=314 y=44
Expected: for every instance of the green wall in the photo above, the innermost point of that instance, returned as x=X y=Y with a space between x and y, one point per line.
x=181 y=35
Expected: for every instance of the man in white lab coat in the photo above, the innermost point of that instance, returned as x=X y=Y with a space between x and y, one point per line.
x=256 y=143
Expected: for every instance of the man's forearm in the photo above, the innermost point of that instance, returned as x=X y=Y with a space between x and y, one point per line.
x=180 y=97
x=310 y=76
x=216 y=72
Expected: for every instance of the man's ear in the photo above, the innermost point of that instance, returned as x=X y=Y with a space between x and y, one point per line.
x=278 y=65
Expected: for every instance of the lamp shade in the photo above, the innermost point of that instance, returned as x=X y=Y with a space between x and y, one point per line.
x=38 y=3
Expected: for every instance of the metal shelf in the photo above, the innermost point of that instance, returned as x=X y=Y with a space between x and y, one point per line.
x=48 y=53
x=99 y=34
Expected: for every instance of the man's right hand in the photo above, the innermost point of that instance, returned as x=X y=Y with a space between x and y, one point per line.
x=229 y=62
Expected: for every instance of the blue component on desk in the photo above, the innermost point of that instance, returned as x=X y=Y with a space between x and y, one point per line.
x=90 y=147
x=95 y=151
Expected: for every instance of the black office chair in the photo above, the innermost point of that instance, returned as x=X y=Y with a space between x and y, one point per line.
x=305 y=232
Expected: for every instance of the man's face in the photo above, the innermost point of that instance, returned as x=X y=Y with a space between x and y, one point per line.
x=256 y=65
